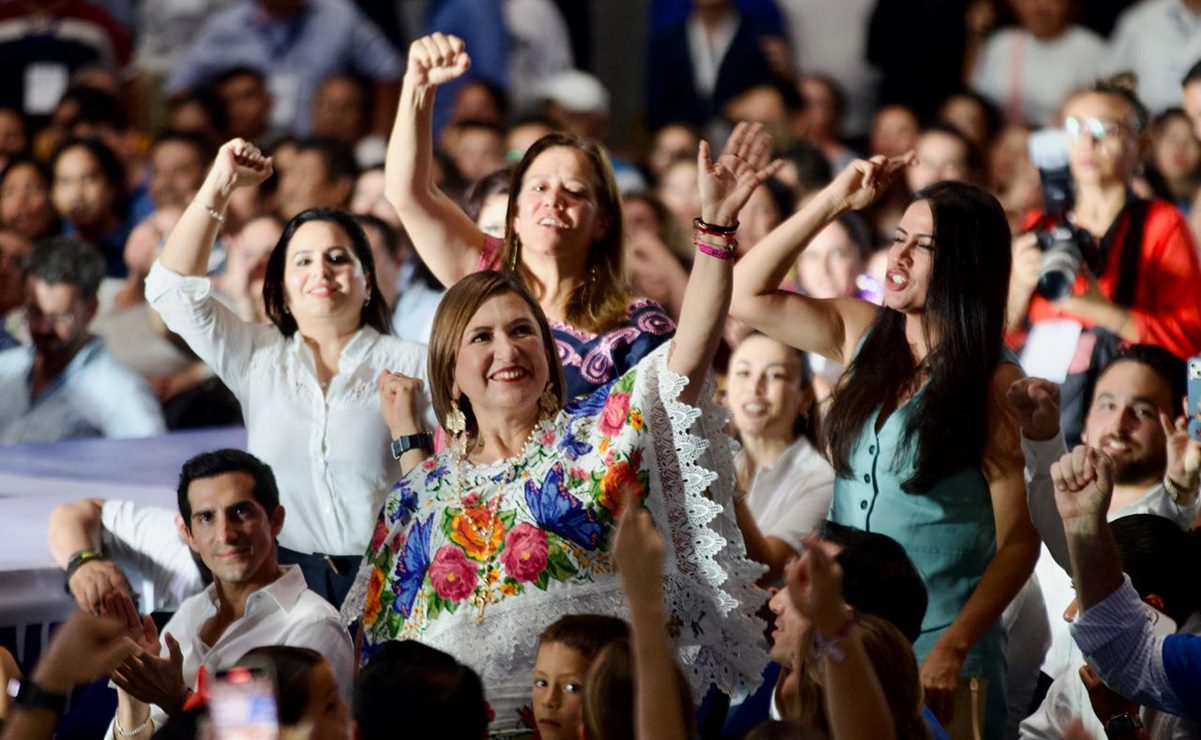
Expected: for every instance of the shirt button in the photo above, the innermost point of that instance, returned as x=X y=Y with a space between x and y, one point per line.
x=867 y=477
x=871 y=450
x=863 y=505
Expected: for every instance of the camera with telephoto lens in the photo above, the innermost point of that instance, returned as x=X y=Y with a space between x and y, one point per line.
x=1066 y=247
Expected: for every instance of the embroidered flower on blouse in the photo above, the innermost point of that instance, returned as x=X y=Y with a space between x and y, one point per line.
x=478 y=531
x=525 y=553
x=452 y=575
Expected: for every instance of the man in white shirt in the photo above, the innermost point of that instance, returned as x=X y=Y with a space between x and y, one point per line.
x=65 y=384
x=1156 y=466
x=1158 y=40
x=231 y=515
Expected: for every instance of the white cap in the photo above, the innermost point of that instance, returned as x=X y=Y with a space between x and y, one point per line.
x=577 y=91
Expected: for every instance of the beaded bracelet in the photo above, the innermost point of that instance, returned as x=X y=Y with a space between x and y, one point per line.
x=713 y=229
x=721 y=254
x=828 y=646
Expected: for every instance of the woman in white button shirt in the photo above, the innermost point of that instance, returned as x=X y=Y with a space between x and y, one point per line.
x=307 y=382
x=786 y=484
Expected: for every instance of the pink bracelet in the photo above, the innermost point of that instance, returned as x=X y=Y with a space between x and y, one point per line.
x=721 y=254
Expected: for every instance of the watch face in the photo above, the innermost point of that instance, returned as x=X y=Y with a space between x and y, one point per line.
x=1122 y=724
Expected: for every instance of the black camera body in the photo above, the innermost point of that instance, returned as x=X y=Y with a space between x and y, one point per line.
x=1066 y=247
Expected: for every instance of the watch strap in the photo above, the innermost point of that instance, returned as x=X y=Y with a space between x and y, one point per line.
x=78 y=559
x=32 y=696
x=405 y=443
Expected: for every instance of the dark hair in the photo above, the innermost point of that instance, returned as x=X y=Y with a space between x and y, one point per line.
x=775 y=729
x=210 y=102
x=965 y=309
x=47 y=180
x=291 y=667
x=495 y=91
x=805 y=425
x=67 y=260
x=1193 y=74
x=450 y=322
x=879 y=578
x=336 y=156
x=600 y=302
x=837 y=93
x=973 y=158
x=859 y=232
x=219 y=462
x=110 y=167
x=585 y=633
x=813 y=169
x=374 y=313
x=1170 y=369
x=96 y=107
x=992 y=114
x=242 y=70
x=387 y=231
x=495 y=183
x=1124 y=87
x=1158 y=556
x=782 y=197
x=201 y=145
x=437 y=695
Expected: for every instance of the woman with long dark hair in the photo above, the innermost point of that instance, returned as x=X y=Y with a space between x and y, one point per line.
x=307 y=382
x=918 y=432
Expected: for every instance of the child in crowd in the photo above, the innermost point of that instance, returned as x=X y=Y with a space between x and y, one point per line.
x=566 y=650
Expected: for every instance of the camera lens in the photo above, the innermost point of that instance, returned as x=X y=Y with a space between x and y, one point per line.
x=1060 y=266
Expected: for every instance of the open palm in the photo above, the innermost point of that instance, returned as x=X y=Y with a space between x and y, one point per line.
x=727 y=184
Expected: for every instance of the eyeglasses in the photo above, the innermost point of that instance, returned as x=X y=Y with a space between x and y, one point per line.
x=1094 y=128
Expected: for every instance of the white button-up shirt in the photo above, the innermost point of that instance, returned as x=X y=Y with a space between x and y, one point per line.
x=285 y=612
x=94 y=396
x=330 y=451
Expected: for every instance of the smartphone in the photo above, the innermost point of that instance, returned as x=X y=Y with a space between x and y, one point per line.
x=1194 y=397
x=242 y=705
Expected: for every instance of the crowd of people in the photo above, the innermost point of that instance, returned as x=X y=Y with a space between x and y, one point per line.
x=852 y=395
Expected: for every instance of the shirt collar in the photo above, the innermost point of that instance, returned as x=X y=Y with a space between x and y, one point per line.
x=285 y=591
x=354 y=351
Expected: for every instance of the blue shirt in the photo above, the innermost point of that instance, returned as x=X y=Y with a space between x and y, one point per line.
x=296 y=54
x=94 y=396
x=481 y=25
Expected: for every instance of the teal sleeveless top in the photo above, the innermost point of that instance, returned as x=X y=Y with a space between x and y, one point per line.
x=947 y=530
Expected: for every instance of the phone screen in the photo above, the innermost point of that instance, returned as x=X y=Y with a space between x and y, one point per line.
x=242 y=705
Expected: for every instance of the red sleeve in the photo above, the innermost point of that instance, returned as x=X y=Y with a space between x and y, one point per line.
x=1167 y=308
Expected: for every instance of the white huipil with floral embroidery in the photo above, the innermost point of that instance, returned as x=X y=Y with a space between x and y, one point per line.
x=478 y=570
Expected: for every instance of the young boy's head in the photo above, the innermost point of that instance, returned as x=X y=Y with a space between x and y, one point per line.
x=565 y=651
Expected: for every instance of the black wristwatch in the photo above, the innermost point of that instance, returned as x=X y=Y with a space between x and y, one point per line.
x=1121 y=725
x=77 y=560
x=419 y=441
x=29 y=695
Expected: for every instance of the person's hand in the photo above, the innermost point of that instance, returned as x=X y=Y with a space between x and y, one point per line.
x=1036 y=403
x=1083 y=488
x=399 y=396
x=1183 y=452
x=638 y=552
x=726 y=185
x=437 y=59
x=83 y=649
x=1027 y=264
x=95 y=580
x=143 y=674
x=1106 y=702
x=239 y=164
x=940 y=678
x=815 y=587
x=864 y=180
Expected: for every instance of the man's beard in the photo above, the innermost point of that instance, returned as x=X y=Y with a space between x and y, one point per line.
x=1147 y=467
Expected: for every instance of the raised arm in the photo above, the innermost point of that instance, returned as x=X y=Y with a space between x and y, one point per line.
x=238 y=164
x=76 y=528
x=449 y=243
x=725 y=187
x=828 y=327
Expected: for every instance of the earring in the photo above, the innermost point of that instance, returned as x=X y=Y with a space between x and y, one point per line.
x=548 y=403
x=287 y=311
x=456 y=420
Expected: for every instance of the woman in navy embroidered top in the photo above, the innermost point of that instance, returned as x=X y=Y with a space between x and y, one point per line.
x=563 y=231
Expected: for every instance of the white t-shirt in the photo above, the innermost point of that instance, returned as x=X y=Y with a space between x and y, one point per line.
x=1028 y=77
x=285 y=612
x=144 y=543
x=1158 y=40
x=792 y=497
x=330 y=451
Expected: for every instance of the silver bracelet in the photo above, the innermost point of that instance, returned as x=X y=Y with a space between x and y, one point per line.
x=216 y=215
x=129 y=733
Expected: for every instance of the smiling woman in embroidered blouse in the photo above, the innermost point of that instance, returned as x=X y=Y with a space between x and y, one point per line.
x=307 y=382
x=563 y=229
x=482 y=546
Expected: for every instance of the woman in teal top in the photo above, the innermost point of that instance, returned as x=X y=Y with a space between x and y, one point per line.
x=925 y=448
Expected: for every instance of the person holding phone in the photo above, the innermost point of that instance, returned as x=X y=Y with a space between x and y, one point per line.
x=922 y=444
